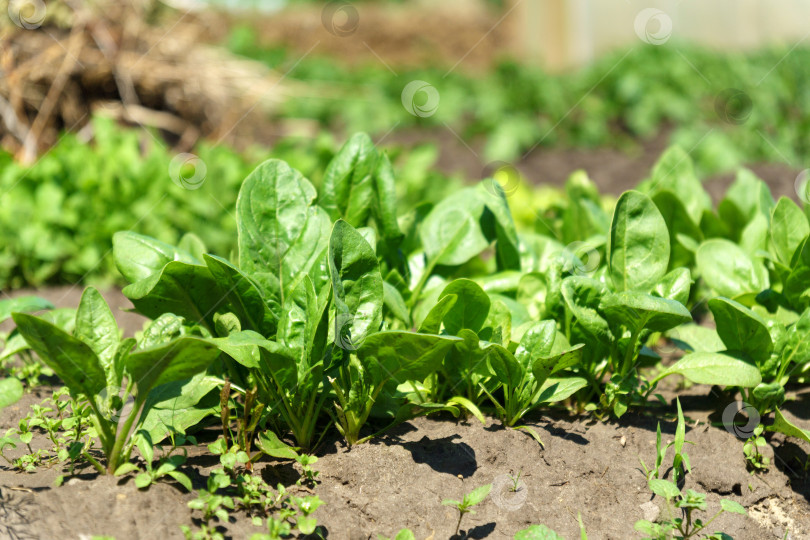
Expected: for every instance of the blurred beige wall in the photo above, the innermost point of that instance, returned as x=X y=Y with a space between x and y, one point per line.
x=561 y=34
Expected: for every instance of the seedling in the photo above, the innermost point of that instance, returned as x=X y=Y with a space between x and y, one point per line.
x=756 y=461
x=471 y=499
x=168 y=465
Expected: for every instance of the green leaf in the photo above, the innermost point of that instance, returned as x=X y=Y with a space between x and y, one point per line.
x=269 y=443
x=796 y=349
x=347 y=190
x=125 y=468
x=385 y=209
x=728 y=270
x=241 y=294
x=11 y=390
x=693 y=337
x=504 y=366
x=674 y=171
x=470 y=309
x=583 y=297
x=723 y=368
x=783 y=425
x=788 y=229
x=664 y=488
x=282 y=234
x=733 y=507
x=507 y=255
x=357 y=285
x=405 y=534
x=434 y=318
x=70 y=358
x=138 y=257
x=186 y=290
x=638 y=250
x=635 y=310
x=537 y=532
x=174 y=361
x=96 y=326
x=22 y=304
x=477 y=495
x=404 y=356
x=675 y=285
x=143 y=480
x=182 y=479
x=451 y=234
x=557 y=389
x=741 y=329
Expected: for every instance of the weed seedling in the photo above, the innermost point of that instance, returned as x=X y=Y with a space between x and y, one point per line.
x=754 y=458
x=471 y=499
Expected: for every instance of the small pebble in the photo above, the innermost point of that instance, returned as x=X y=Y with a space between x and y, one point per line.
x=623 y=441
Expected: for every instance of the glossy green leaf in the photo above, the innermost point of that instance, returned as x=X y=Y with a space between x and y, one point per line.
x=241 y=295
x=138 y=256
x=347 y=190
x=638 y=250
x=635 y=309
x=741 y=329
x=96 y=326
x=789 y=227
x=22 y=304
x=783 y=425
x=728 y=270
x=281 y=232
x=404 y=356
x=470 y=309
x=721 y=368
x=70 y=358
x=356 y=284
x=176 y=360
x=557 y=389
x=450 y=233
x=186 y=290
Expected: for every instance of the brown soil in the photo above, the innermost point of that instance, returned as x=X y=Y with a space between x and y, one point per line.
x=399 y=480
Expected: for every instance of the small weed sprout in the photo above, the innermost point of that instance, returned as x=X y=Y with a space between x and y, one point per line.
x=471 y=499
x=755 y=460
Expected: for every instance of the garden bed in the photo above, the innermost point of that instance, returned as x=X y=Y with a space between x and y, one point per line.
x=399 y=480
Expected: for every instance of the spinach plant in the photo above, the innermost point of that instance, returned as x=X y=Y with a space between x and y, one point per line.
x=96 y=364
